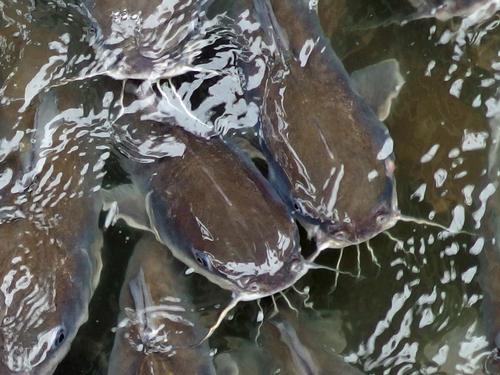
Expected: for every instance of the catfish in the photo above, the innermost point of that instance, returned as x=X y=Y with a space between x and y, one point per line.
x=50 y=236
x=158 y=324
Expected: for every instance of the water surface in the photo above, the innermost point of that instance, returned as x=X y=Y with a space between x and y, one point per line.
x=424 y=302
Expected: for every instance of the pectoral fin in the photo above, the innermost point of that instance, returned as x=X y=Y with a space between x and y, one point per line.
x=126 y=203
x=379 y=85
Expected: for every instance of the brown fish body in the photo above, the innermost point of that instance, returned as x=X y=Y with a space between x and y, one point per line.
x=50 y=242
x=287 y=344
x=444 y=10
x=306 y=347
x=329 y=155
x=217 y=214
x=145 y=39
x=159 y=326
x=489 y=256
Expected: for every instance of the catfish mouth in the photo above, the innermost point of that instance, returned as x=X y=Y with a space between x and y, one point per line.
x=337 y=235
x=253 y=287
x=351 y=234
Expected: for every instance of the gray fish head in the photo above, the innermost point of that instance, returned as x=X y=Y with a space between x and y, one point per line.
x=373 y=209
x=223 y=219
x=43 y=301
x=254 y=273
x=251 y=281
x=253 y=252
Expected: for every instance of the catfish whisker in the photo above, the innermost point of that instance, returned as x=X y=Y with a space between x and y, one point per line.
x=276 y=309
x=358 y=256
x=315 y=266
x=163 y=93
x=298 y=291
x=316 y=254
x=260 y=320
x=336 y=279
x=306 y=295
x=221 y=317
x=411 y=219
x=183 y=106
x=289 y=303
x=399 y=243
x=372 y=253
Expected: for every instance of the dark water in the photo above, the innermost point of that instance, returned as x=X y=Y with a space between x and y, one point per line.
x=424 y=302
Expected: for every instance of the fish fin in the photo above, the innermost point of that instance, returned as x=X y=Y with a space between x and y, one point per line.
x=379 y=84
x=301 y=355
x=126 y=203
x=43 y=123
x=247 y=145
x=141 y=295
x=273 y=31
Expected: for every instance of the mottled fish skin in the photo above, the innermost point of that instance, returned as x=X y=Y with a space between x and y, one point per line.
x=217 y=214
x=287 y=344
x=146 y=39
x=157 y=325
x=291 y=337
x=444 y=10
x=489 y=257
x=330 y=158
x=50 y=251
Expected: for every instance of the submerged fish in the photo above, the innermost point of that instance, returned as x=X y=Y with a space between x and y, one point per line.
x=158 y=325
x=329 y=156
x=147 y=39
x=489 y=255
x=444 y=10
x=50 y=240
x=215 y=212
x=379 y=85
x=287 y=344
x=213 y=209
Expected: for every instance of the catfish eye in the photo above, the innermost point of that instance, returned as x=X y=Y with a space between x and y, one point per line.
x=202 y=259
x=382 y=219
x=382 y=216
x=296 y=266
x=253 y=287
x=59 y=338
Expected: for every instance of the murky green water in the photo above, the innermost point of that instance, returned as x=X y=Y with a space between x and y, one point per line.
x=426 y=303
